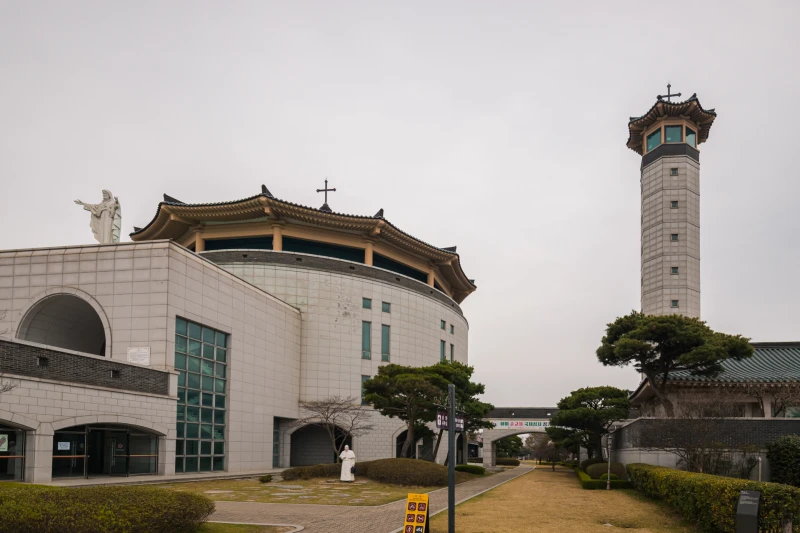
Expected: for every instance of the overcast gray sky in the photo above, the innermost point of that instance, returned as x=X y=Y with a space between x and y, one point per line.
x=499 y=127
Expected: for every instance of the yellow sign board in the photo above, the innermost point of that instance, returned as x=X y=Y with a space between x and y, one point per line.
x=416 y=514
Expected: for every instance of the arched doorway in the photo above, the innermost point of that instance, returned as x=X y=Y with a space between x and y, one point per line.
x=65 y=321
x=311 y=445
x=104 y=450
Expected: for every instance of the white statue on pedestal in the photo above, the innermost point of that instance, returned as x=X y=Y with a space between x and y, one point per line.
x=348 y=464
x=106 y=222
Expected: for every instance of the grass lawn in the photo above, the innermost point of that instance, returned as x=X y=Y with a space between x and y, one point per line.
x=240 y=528
x=319 y=490
x=554 y=502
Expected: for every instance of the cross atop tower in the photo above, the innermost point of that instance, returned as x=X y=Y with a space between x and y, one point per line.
x=325 y=206
x=668 y=95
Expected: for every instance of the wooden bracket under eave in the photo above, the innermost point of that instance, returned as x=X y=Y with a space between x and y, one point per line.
x=175 y=218
x=374 y=232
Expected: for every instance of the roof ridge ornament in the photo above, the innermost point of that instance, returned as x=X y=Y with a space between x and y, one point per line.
x=171 y=200
x=265 y=191
x=669 y=95
x=325 y=206
x=379 y=214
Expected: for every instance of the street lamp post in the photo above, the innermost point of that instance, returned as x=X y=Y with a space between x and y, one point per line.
x=608 y=452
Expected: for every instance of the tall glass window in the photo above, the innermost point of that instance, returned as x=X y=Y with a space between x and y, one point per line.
x=691 y=138
x=673 y=134
x=366 y=340
x=452 y=352
x=442 y=324
x=442 y=346
x=385 y=338
x=653 y=140
x=12 y=454
x=201 y=359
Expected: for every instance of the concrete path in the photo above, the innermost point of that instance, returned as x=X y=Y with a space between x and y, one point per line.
x=148 y=479
x=351 y=519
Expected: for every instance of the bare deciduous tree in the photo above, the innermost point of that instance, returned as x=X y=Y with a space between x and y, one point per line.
x=338 y=416
x=777 y=396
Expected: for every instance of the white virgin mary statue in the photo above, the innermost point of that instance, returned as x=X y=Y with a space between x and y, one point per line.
x=348 y=463
x=106 y=221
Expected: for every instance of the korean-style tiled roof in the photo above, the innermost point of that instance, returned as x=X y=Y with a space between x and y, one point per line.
x=690 y=109
x=777 y=362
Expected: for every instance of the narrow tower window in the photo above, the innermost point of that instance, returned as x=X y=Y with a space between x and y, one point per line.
x=674 y=303
x=366 y=340
x=673 y=172
x=452 y=352
x=673 y=204
x=442 y=345
x=673 y=237
x=442 y=324
x=674 y=270
x=385 y=337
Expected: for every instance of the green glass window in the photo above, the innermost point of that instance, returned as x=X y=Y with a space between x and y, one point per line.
x=675 y=303
x=673 y=237
x=442 y=324
x=385 y=337
x=363 y=379
x=366 y=303
x=674 y=270
x=442 y=346
x=452 y=329
x=366 y=340
x=673 y=134
x=386 y=307
x=653 y=140
x=673 y=204
x=691 y=138
x=452 y=352
x=200 y=358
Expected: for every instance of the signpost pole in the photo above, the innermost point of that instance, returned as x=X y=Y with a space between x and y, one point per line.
x=451 y=465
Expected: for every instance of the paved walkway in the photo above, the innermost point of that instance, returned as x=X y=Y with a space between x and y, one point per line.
x=351 y=519
x=157 y=479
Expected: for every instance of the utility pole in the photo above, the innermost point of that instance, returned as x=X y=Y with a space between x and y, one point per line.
x=451 y=464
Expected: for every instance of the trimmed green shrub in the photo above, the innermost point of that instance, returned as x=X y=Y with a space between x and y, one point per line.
x=784 y=460
x=597 y=470
x=471 y=469
x=710 y=501
x=394 y=471
x=265 y=479
x=613 y=476
x=595 y=484
x=586 y=463
x=507 y=461
x=572 y=463
x=28 y=508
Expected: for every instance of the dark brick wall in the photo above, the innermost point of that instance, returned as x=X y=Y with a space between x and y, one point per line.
x=21 y=359
x=329 y=264
x=732 y=432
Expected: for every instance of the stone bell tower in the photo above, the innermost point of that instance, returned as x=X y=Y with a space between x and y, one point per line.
x=667 y=137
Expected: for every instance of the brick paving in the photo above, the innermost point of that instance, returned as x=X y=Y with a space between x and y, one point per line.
x=351 y=519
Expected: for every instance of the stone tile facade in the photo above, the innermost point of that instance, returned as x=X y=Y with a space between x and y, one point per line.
x=661 y=186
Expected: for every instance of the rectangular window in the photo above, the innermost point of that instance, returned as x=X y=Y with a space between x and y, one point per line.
x=366 y=303
x=653 y=140
x=452 y=329
x=366 y=340
x=386 y=307
x=674 y=270
x=674 y=303
x=201 y=361
x=673 y=172
x=385 y=338
x=673 y=237
x=442 y=346
x=673 y=204
x=673 y=134
x=452 y=352
x=443 y=324
x=691 y=138
x=363 y=379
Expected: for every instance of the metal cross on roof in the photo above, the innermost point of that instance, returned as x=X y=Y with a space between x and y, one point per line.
x=668 y=95
x=325 y=190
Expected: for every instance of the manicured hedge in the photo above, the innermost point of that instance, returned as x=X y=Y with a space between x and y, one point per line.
x=26 y=508
x=784 y=460
x=507 y=461
x=394 y=471
x=586 y=463
x=710 y=501
x=595 y=484
x=471 y=469
x=597 y=470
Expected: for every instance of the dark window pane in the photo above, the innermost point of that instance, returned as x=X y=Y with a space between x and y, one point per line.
x=220 y=370
x=208 y=400
x=219 y=432
x=219 y=417
x=366 y=303
x=180 y=326
x=194 y=347
x=181 y=395
x=181 y=378
x=219 y=401
x=691 y=138
x=220 y=340
x=194 y=364
x=192 y=414
x=219 y=385
x=192 y=431
x=386 y=307
x=191 y=464
x=181 y=414
x=219 y=464
x=208 y=368
x=179 y=447
x=221 y=355
x=191 y=447
x=194 y=381
x=180 y=431
x=653 y=140
x=219 y=447
x=180 y=361
x=208 y=383
x=673 y=134
x=205 y=431
x=193 y=397
x=208 y=335
x=194 y=330
x=207 y=416
x=208 y=351
x=180 y=343
x=179 y=464
x=205 y=447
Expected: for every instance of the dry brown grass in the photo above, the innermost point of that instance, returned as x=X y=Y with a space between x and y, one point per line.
x=554 y=502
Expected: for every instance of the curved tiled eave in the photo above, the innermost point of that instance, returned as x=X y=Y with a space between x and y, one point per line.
x=690 y=110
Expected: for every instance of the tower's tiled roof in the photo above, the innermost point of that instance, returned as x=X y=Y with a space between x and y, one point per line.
x=690 y=108
x=771 y=363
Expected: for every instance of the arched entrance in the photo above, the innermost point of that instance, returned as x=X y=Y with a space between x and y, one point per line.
x=65 y=321
x=311 y=445
x=104 y=450
x=12 y=452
